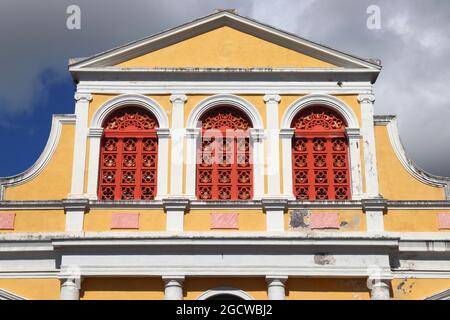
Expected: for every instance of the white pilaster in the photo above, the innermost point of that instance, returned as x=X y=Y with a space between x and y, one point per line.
x=257 y=142
x=95 y=138
x=374 y=210
x=79 y=154
x=192 y=137
x=273 y=145
x=173 y=287
x=163 y=163
x=176 y=170
x=276 y=287
x=175 y=210
x=368 y=132
x=354 y=137
x=70 y=288
x=75 y=210
x=286 y=136
x=274 y=209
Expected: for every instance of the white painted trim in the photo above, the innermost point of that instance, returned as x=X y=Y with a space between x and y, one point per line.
x=6 y=295
x=192 y=134
x=212 y=21
x=95 y=132
x=408 y=164
x=224 y=87
x=55 y=133
x=444 y=295
x=273 y=145
x=178 y=131
x=286 y=134
x=229 y=291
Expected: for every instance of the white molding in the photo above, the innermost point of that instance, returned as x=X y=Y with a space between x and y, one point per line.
x=6 y=295
x=225 y=290
x=407 y=163
x=192 y=134
x=163 y=133
x=225 y=87
x=444 y=295
x=55 y=133
x=211 y=22
x=286 y=134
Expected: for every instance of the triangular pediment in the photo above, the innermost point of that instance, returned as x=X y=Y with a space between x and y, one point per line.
x=223 y=40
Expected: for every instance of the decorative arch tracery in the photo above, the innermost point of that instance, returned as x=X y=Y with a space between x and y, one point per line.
x=128 y=159
x=320 y=156
x=224 y=165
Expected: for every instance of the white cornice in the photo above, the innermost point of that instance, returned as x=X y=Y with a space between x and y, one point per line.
x=57 y=122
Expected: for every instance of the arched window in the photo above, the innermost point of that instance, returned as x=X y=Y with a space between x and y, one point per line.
x=224 y=161
x=320 y=163
x=128 y=159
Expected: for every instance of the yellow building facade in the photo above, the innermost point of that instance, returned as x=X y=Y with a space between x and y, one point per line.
x=126 y=203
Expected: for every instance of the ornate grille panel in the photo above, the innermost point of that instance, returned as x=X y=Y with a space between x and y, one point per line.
x=128 y=159
x=320 y=156
x=224 y=167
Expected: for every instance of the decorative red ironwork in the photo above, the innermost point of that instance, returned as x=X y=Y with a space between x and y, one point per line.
x=224 y=167
x=128 y=159
x=320 y=156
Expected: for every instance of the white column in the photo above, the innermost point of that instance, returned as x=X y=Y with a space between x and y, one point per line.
x=176 y=169
x=192 y=137
x=163 y=163
x=175 y=210
x=286 y=136
x=354 y=137
x=173 y=287
x=95 y=138
x=273 y=145
x=380 y=289
x=368 y=132
x=79 y=154
x=75 y=210
x=276 y=287
x=257 y=142
x=70 y=288
x=374 y=210
x=274 y=209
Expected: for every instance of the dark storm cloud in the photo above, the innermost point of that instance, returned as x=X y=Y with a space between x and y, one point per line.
x=412 y=43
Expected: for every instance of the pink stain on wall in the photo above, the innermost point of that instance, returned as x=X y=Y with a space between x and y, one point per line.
x=7 y=221
x=224 y=221
x=324 y=220
x=444 y=221
x=125 y=221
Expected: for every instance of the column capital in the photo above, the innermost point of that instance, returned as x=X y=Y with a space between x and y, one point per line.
x=80 y=96
x=366 y=98
x=178 y=98
x=287 y=133
x=353 y=133
x=175 y=278
x=272 y=98
x=257 y=134
x=95 y=132
x=163 y=132
x=380 y=287
x=281 y=280
x=192 y=133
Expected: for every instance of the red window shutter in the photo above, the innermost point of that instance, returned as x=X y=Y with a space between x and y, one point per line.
x=224 y=158
x=320 y=156
x=129 y=157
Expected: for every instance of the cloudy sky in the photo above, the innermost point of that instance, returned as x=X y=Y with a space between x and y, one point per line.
x=413 y=44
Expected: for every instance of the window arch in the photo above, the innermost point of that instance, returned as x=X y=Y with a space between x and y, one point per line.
x=320 y=157
x=224 y=156
x=129 y=156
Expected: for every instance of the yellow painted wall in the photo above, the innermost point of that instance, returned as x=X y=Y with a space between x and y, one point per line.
x=394 y=181
x=255 y=287
x=350 y=220
x=100 y=220
x=38 y=221
x=412 y=221
x=249 y=220
x=122 y=289
x=54 y=181
x=326 y=289
x=225 y=47
x=418 y=289
x=32 y=289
